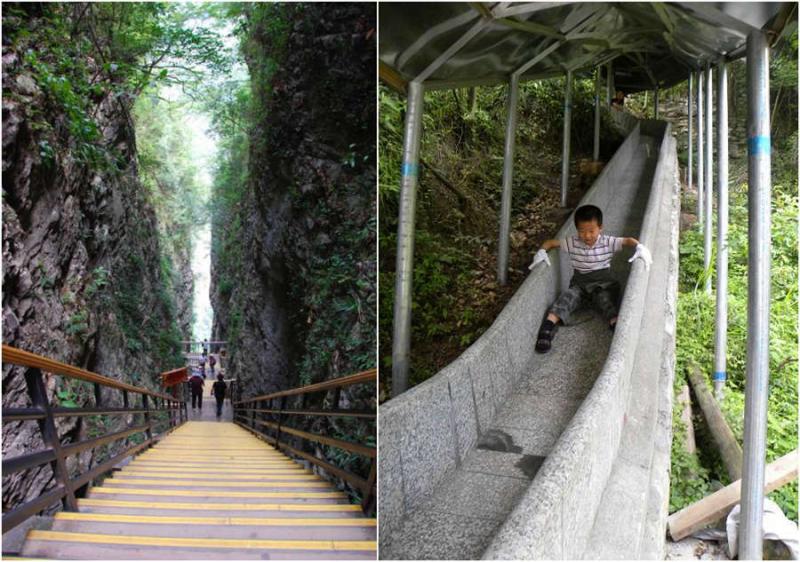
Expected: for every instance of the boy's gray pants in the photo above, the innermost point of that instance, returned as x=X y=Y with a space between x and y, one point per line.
x=596 y=289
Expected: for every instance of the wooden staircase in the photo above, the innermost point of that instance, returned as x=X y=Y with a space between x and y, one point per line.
x=210 y=490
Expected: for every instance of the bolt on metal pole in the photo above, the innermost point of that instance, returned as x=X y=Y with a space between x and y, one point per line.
x=508 y=175
x=566 y=146
x=597 y=86
x=721 y=322
x=655 y=103
x=401 y=340
x=690 y=147
x=709 y=181
x=759 y=248
x=700 y=163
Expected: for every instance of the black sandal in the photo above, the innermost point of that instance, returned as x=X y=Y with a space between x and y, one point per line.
x=545 y=339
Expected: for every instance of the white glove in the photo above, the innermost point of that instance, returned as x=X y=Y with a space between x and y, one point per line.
x=541 y=256
x=644 y=254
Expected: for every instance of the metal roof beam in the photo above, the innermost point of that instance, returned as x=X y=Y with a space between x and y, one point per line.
x=525 y=9
x=432 y=34
x=522 y=69
x=531 y=27
x=719 y=18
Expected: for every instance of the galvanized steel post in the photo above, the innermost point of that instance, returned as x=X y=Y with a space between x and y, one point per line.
x=404 y=270
x=700 y=176
x=709 y=181
x=759 y=248
x=566 y=146
x=508 y=174
x=690 y=147
x=721 y=323
x=596 y=151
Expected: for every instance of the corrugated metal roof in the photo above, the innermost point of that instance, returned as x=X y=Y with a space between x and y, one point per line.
x=461 y=44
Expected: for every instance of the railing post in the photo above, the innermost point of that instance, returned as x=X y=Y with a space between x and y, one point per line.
x=252 y=405
x=281 y=408
x=146 y=406
x=38 y=395
x=98 y=395
x=596 y=143
x=368 y=499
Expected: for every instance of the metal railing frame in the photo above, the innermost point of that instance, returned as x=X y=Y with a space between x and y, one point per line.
x=55 y=453
x=267 y=416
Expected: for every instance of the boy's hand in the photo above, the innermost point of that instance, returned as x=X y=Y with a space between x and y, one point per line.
x=644 y=254
x=541 y=256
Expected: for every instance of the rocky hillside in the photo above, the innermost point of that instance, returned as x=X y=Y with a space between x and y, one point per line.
x=84 y=275
x=294 y=241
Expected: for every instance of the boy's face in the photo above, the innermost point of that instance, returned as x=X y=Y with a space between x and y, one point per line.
x=589 y=232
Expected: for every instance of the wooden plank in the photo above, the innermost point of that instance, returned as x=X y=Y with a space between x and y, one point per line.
x=726 y=442
x=391 y=77
x=692 y=518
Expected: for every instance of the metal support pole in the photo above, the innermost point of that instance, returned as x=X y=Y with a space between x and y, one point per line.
x=700 y=162
x=508 y=175
x=690 y=147
x=709 y=181
x=655 y=103
x=759 y=248
x=401 y=342
x=597 y=87
x=721 y=323
x=566 y=146
x=610 y=82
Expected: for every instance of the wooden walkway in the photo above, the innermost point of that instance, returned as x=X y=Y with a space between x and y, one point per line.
x=210 y=490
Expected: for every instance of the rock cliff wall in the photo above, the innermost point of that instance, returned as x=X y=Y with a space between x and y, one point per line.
x=297 y=302
x=83 y=280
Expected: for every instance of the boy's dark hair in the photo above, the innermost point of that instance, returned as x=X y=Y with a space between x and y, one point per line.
x=589 y=213
x=220 y=377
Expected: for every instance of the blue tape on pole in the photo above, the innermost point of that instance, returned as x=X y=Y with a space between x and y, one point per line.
x=410 y=169
x=720 y=375
x=759 y=145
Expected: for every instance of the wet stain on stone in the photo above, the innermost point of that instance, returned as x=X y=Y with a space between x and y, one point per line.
x=530 y=465
x=496 y=440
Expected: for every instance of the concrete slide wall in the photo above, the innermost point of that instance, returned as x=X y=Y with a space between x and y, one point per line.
x=426 y=432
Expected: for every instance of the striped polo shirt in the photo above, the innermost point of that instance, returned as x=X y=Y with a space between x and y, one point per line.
x=585 y=259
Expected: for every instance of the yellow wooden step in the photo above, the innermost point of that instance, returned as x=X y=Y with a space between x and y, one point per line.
x=222 y=483
x=201 y=543
x=217 y=493
x=333 y=507
x=255 y=476
x=182 y=520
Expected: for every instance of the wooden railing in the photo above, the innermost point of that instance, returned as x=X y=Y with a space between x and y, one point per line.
x=268 y=415
x=135 y=400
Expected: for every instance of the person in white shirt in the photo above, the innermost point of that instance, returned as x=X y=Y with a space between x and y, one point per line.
x=590 y=252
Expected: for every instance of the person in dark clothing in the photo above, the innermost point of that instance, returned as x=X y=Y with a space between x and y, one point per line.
x=196 y=383
x=212 y=362
x=218 y=390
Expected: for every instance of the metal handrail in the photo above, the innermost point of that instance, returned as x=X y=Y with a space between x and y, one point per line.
x=55 y=453
x=248 y=414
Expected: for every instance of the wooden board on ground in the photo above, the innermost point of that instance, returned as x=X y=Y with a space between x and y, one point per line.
x=696 y=516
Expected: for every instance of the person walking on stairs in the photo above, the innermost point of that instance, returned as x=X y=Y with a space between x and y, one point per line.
x=212 y=362
x=196 y=383
x=218 y=390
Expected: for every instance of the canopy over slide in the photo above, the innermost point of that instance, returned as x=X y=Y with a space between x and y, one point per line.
x=651 y=44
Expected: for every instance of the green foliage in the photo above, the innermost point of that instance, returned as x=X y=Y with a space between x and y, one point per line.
x=696 y=311
x=77 y=324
